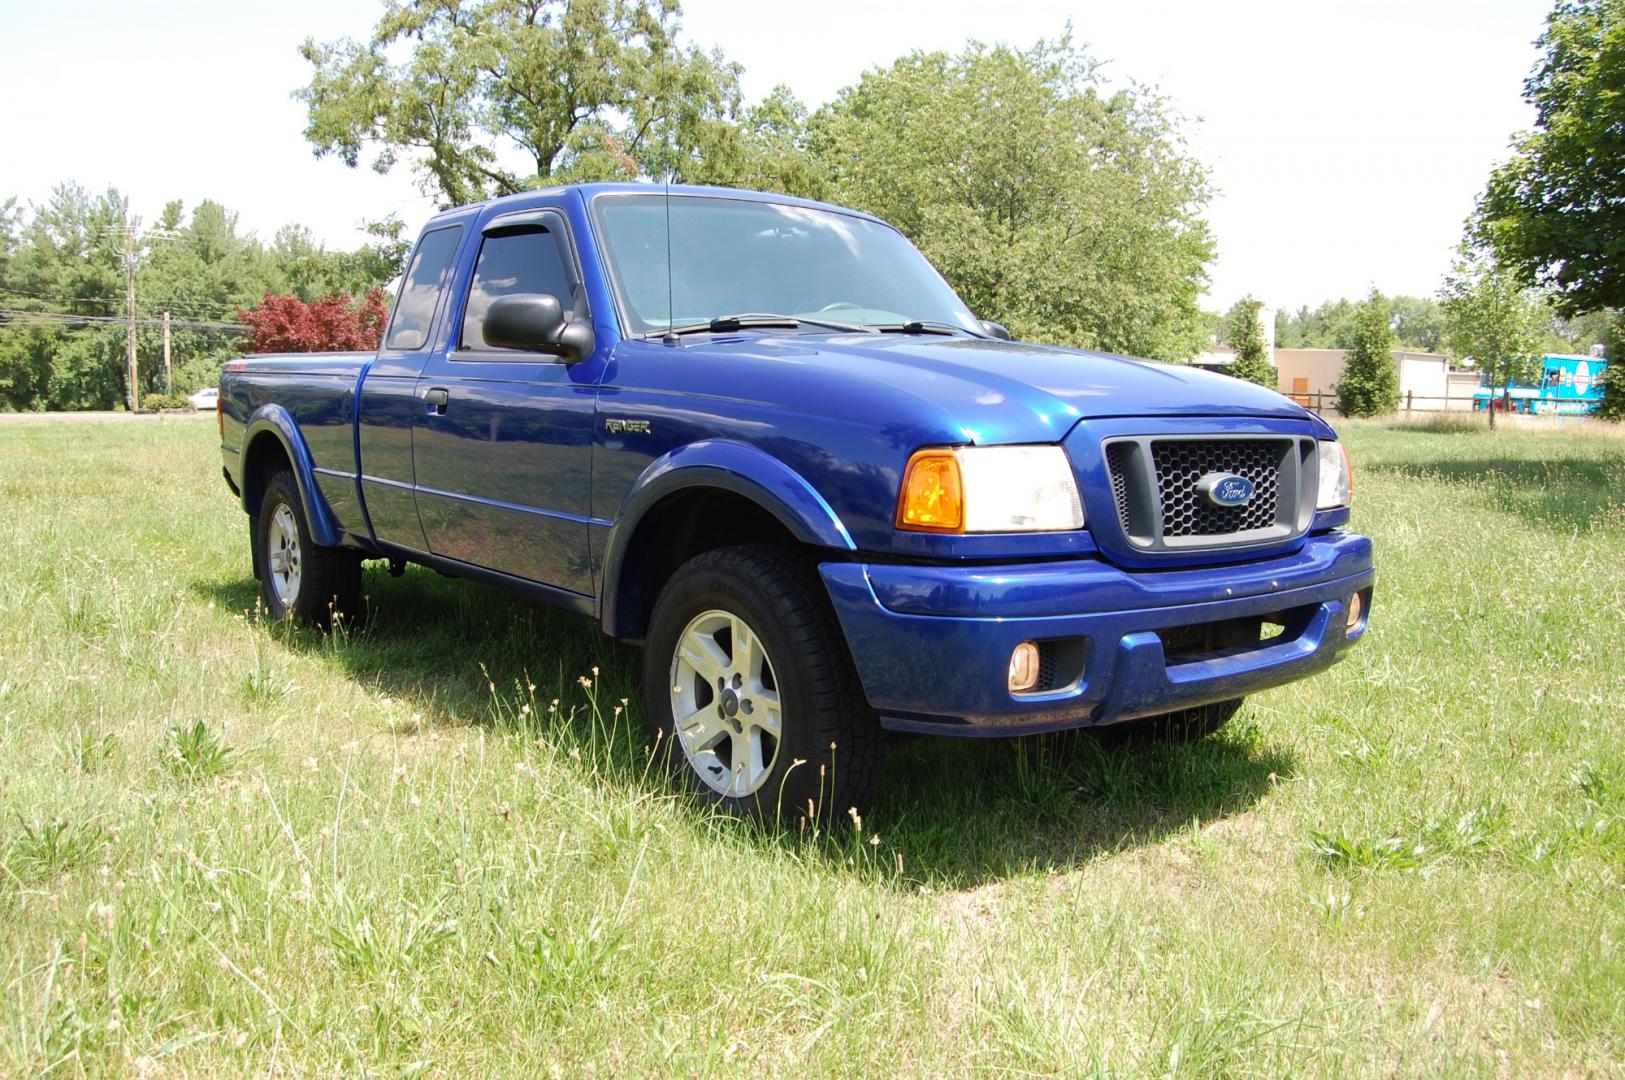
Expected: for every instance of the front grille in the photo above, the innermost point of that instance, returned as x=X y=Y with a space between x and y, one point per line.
x=1180 y=463
x=1160 y=505
x=1117 y=464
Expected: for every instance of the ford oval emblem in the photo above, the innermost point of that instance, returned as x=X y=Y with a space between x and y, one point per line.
x=1226 y=489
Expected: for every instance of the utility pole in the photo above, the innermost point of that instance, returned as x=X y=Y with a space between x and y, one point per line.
x=134 y=396
x=132 y=375
x=169 y=383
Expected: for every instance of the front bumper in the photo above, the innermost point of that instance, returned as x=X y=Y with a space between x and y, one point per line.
x=932 y=644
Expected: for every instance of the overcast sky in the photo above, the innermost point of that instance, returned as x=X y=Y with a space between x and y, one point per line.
x=1347 y=140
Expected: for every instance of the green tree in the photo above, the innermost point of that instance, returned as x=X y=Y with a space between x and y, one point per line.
x=1578 y=333
x=62 y=298
x=1493 y=319
x=1224 y=324
x=1286 y=335
x=1418 y=323
x=10 y=215
x=306 y=269
x=1246 y=337
x=63 y=281
x=1328 y=326
x=1555 y=213
x=1613 y=378
x=769 y=151
x=1370 y=382
x=497 y=96
x=1070 y=214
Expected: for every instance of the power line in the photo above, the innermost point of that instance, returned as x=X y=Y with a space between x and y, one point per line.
x=194 y=306
x=21 y=315
x=172 y=305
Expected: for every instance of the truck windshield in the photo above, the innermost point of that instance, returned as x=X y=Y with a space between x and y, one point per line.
x=732 y=256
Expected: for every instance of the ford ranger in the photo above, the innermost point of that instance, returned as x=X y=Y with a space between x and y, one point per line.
x=763 y=438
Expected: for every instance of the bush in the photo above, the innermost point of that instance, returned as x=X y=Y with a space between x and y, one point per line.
x=165 y=401
x=1612 y=408
x=1370 y=383
x=1252 y=360
x=287 y=324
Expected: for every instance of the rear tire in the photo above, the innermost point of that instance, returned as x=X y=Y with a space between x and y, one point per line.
x=299 y=579
x=744 y=650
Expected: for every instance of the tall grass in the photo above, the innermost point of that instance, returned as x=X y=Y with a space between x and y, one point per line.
x=435 y=842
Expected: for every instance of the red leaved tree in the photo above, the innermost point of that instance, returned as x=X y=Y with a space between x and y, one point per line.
x=289 y=324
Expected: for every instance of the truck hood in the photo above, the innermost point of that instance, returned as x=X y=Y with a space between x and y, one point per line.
x=999 y=391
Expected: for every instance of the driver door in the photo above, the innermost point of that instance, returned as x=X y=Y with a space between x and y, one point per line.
x=503 y=443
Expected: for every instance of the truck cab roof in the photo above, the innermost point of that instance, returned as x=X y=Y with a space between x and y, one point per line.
x=524 y=200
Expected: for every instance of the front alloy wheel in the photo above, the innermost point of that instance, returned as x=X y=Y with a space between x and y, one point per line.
x=751 y=697
x=725 y=703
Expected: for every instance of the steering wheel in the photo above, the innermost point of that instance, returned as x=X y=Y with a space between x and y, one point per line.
x=840 y=305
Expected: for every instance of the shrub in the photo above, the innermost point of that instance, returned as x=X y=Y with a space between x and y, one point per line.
x=165 y=401
x=1370 y=383
x=336 y=324
x=1613 y=376
x=1247 y=338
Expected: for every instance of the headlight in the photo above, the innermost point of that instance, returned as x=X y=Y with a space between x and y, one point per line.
x=1336 y=477
x=989 y=489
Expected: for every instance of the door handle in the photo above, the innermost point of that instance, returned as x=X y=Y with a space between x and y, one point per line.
x=436 y=400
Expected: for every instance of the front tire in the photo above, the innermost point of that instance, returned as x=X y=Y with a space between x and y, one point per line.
x=299 y=579
x=750 y=693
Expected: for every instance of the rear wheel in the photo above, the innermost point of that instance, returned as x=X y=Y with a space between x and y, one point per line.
x=750 y=693
x=300 y=579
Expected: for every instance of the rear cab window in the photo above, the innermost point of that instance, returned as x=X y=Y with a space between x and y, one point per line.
x=420 y=289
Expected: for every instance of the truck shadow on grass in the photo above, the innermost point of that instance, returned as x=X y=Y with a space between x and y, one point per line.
x=1562 y=493
x=959 y=812
x=966 y=812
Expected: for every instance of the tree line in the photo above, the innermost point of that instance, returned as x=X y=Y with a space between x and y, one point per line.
x=1419 y=323
x=1548 y=233
x=1482 y=316
x=1541 y=265
x=1061 y=206
x=63 y=277
x=1064 y=207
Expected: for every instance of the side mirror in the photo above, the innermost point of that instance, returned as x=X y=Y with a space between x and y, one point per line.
x=533 y=321
x=994 y=330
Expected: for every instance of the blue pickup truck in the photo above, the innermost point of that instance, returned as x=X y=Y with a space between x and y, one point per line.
x=763 y=438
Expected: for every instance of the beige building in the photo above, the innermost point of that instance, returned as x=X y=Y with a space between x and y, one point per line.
x=1427 y=382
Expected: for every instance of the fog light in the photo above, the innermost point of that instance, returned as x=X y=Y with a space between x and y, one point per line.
x=1356 y=606
x=1024 y=667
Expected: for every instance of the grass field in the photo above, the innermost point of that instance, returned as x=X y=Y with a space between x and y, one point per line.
x=429 y=844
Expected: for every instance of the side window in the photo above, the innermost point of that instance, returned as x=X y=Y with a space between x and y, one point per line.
x=409 y=327
x=527 y=261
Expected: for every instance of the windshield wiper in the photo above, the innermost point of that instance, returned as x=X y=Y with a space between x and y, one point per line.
x=917 y=326
x=759 y=320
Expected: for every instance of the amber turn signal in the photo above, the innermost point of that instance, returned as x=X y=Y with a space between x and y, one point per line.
x=933 y=495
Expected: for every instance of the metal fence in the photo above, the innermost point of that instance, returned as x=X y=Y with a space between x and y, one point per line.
x=1321 y=402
